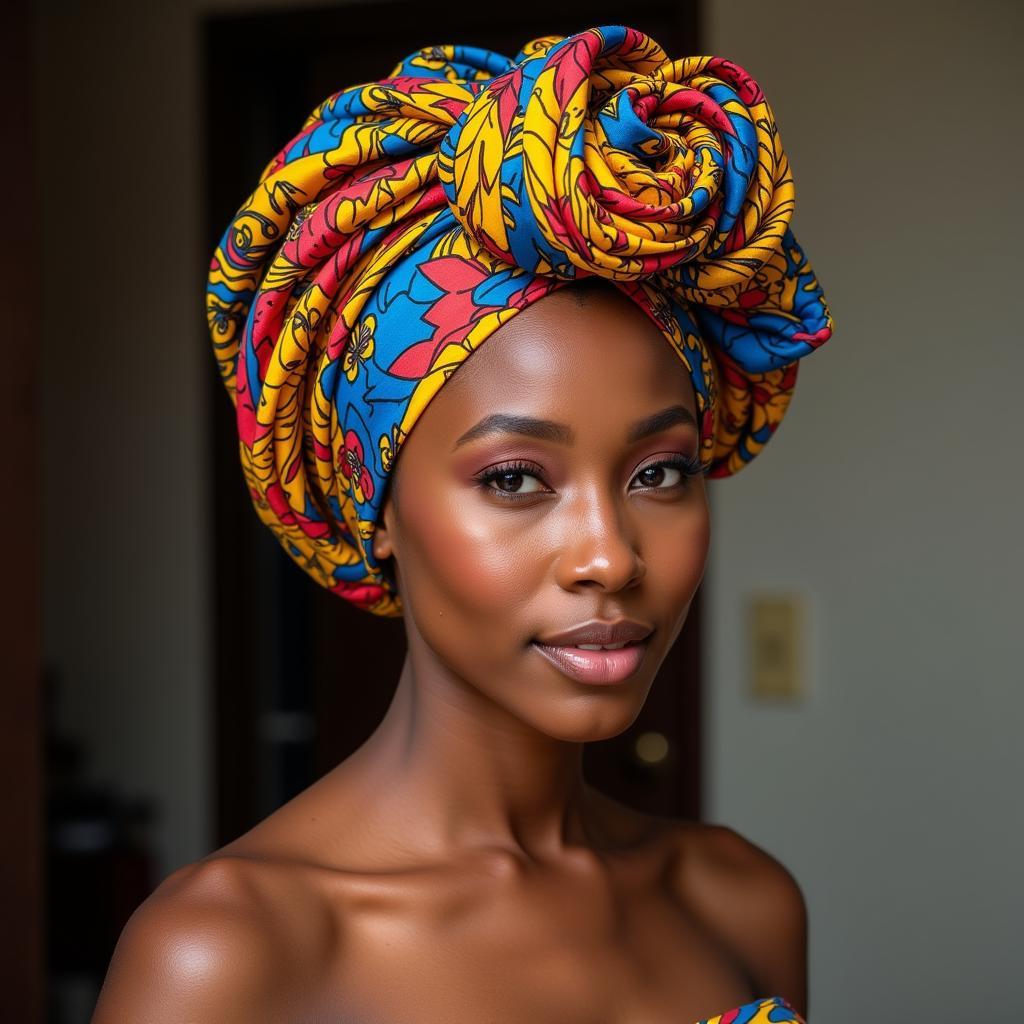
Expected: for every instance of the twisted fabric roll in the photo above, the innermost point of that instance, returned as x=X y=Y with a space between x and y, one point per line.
x=411 y=217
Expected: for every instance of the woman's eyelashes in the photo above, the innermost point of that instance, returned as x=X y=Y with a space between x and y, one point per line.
x=655 y=474
x=510 y=478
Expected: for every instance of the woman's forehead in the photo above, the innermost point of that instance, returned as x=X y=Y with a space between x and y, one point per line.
x=571 y=328
x=569 y=361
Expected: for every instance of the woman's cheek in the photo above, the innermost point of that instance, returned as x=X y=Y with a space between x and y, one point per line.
x=473 y=557
x=499 y=562
x=686 y=551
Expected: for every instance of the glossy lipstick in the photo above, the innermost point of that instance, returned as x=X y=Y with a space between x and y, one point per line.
x=595 y=666
x=601 y=666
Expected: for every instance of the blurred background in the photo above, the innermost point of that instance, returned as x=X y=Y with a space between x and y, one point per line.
x=849 y=693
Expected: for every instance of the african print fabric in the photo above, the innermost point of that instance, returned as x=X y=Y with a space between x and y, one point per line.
x=412 y=216
x=774 y=1010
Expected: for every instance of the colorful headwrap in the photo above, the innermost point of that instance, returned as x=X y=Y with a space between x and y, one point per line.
x=412 y=217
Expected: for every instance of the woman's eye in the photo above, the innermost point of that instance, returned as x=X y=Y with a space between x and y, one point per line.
x=512 y=481
x=664 y=475
x=660 y=475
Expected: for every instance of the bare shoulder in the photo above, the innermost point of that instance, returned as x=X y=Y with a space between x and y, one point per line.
x=750 y=901
x=225 y=939
x=717 y=866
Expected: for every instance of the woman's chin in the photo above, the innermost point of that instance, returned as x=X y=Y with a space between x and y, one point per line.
x=588 y=719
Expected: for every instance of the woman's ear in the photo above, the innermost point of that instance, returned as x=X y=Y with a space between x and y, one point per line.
x=383 y=544
x=383 y=534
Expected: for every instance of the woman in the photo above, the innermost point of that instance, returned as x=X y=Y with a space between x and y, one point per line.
x=542 y=532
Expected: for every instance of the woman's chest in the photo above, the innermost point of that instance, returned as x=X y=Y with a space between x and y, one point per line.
x=527 y=953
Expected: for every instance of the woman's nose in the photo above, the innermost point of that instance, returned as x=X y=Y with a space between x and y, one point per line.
x=600 y=548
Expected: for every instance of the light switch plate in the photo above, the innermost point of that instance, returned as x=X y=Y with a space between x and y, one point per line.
x=776 y=632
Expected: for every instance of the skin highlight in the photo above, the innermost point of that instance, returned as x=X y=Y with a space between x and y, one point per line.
x=457 y=867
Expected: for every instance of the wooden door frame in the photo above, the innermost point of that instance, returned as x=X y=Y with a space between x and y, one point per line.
x=21 y=721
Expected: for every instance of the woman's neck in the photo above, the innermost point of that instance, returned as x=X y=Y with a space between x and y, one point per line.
x=448 y=769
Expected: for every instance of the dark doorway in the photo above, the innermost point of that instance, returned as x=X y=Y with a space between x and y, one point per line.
x=296 y=690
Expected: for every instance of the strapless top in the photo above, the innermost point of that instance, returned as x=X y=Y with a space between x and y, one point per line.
x=771 y=1010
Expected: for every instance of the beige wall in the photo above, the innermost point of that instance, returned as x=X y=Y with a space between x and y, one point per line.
x=892 y=498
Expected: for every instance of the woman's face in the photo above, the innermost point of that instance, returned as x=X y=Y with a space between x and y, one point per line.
x=584 y=502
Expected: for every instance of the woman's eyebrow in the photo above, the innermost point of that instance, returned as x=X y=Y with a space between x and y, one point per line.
x=549 y=430
x=661 y=421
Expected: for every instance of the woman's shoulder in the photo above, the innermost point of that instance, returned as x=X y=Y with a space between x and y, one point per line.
x=716 y=858
x=218 y=940
x=748 y=899
x=705 y=857
x=735 y=886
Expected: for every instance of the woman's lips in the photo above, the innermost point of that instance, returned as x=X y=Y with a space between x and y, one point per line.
x=595 y=666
